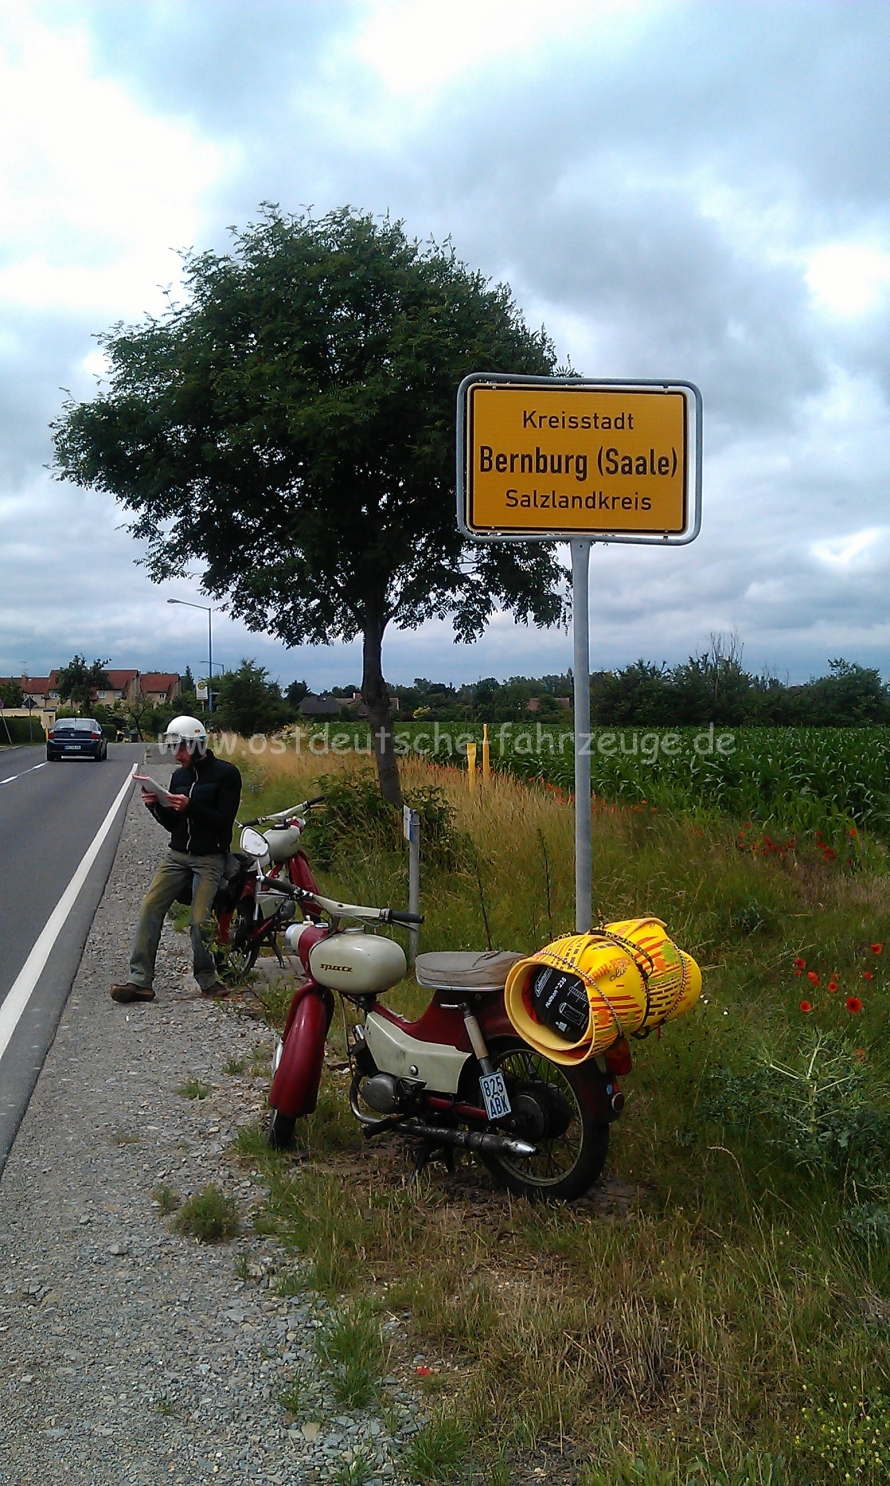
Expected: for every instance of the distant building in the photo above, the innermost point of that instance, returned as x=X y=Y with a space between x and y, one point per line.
x=122 y=688
x=159 y=687
x=156 y=687
x=312 y=706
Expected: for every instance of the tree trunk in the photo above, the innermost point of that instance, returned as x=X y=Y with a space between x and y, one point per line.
x=375 y=696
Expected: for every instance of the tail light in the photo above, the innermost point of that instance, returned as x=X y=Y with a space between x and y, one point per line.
x=618 y=1058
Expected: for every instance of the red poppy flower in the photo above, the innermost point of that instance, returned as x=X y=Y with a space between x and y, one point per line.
x=832 y=986
x=812 y=977
x=800 y=964
x=829 y=853
x=867 y=975
x=422 y=1372
x=854 y=1005
x=806 y=1006
x=852 y=831
x=876 y=949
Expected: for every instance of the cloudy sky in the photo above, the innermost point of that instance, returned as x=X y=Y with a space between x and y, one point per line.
x=677 y=189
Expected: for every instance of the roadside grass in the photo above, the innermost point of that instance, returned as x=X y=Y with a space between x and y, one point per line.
x=352 y=1348
x=194 y=1088
x=210 y=1216
x=719 y=1310
x=167 y=1199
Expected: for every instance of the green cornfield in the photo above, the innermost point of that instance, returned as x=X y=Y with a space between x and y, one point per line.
x=793 y=780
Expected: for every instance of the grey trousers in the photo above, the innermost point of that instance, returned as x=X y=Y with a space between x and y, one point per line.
x=175 y=874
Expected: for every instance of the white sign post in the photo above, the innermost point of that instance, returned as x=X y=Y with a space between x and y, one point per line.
x=566 y=459
x=411 y=832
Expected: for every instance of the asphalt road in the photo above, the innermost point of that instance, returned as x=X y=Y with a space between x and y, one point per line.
x=59 y=834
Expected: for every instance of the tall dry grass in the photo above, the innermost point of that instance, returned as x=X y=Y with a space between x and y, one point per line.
x=710 y=1300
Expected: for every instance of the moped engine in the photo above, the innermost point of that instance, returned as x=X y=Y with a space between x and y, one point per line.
x=380 y=1092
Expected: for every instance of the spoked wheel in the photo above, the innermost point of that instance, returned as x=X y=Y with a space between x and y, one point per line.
x=236 y=958
x=551 y=1109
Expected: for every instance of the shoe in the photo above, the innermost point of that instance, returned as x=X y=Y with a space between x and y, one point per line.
x=132 y=993
x=216 y=991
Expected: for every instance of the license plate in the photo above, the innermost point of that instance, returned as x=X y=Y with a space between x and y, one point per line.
x=494 y=1095
x=71 y=747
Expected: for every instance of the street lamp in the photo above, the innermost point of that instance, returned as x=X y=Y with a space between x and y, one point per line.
x=189 y=605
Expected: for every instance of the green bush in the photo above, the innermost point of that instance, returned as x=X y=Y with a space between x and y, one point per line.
x=357 y=818
x=824 y=1108
x=21 y=730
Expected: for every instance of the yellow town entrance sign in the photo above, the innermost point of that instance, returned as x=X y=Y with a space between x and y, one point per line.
x=550 y=458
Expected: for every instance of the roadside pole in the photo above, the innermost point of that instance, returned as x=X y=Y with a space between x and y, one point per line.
x=581 y=676
x=411 y=832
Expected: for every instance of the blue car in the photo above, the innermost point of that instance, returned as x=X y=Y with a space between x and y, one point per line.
x=76 y=737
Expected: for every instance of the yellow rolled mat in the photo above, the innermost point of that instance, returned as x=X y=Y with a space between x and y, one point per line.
x=635 y=976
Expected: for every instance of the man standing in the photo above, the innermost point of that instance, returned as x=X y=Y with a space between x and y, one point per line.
x=199 y=813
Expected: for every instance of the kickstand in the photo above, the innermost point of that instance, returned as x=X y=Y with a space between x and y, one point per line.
x=427 y=1151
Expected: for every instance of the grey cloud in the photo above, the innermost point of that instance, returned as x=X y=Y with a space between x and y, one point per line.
x=224 y=63
x=583 y=177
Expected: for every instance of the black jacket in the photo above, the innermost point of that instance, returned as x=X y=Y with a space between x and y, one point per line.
x=204 y=828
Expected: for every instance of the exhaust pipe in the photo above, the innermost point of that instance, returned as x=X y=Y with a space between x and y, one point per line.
x=471 y=1140
x=468 y=1140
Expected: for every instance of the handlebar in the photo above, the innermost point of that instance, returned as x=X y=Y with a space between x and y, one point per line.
x=286 y=814
x=341 y=910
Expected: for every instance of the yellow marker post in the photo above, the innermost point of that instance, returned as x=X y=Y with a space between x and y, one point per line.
x=471 y=765
x=486 y=755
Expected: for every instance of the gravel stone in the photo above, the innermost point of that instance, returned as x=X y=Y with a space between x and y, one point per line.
x=132 y=1354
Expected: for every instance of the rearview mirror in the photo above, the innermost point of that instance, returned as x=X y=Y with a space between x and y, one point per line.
x=254 y=843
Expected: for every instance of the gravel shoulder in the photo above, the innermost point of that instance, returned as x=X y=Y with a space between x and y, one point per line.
x=131 y=1354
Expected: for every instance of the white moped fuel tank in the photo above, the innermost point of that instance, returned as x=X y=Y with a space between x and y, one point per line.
x=355 y=961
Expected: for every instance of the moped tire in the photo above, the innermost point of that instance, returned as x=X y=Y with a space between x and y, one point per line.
x=281 y=1130
x=236 y=958
x=294 y=1090
x=553 y=1107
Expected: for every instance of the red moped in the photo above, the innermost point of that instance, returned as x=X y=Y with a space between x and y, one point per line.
x=457 y=1077
x=247 y=915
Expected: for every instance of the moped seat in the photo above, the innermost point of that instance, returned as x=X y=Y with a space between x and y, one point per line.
x=466 y=970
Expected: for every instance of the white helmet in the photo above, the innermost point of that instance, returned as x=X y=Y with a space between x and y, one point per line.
x=187 y=730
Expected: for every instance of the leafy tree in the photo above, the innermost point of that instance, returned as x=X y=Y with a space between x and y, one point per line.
x=140 y=711
x=77 y=681
x=296 y=692
x=291 y=427
x=11 y=694
x=848 y=695
x=187 y=683
x=248 y=703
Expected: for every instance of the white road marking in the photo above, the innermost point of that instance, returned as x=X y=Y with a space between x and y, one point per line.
x=19 y=994
x=9 y=779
